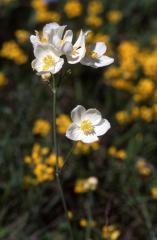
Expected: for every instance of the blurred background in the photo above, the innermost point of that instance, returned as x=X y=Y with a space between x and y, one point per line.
x=121 y=204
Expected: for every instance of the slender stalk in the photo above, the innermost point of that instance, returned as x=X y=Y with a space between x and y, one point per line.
x=90 y=218
x=54 y=91
x=67 y=158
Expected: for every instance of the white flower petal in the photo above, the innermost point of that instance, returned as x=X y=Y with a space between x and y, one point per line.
x=93 y=115
x=73 y=132
x=102 y=127
x=100 y=48
x=67 y=48
x=88 y=61
x=80 y=40
x=49 y=27
x=77 y=114
x=90 y=138
x=68 y=36
x=104 y=61
x=58 y=65
x=34 y=40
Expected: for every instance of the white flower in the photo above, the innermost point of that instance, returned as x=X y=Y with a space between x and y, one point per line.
x=50 y=31
x=87 y=125
x=76 y=52
x=47 y=60
x=95 y=56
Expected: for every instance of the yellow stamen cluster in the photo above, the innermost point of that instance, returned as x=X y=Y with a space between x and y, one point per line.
x=87 y=127
x=48 y=61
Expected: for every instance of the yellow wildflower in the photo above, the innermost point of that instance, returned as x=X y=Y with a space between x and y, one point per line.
x=143 y=167
x=114 y=16
x=120 y=154
x=22 y=35
x=110 y=232
x=135 y=112
x=84 y=223
x=154 y=192
x=70 y=214
x=144 y=89
x=73 y=8
x=3 y=79
x=94 y=21
x=47 y=16
x=11 y=50
x=85 y=148
x=62 y=122
x=85 y=185
x=95 y=7
x=51 y=160
x=41 y=127
x=122 y=117
x=146 y=113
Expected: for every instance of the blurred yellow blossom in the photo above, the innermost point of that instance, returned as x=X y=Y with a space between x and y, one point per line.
x=154 y=192
x=3 y=79
x=22 y=35
x=114 y=16
x=42 y=163
x=119 y=154
x=84 y=223
x=70 y=215
x=110 y=232
x=85 y=185
x=146 y=113
x=95 y=7
x=62 y=121
x=94 y=21
x=47 y=16
x=73 y=8
x=51 y=160
x=143 y=167
x=41 y=127
x=12 y=51
x=144 y=89
x=83 y=148
x=122 y=117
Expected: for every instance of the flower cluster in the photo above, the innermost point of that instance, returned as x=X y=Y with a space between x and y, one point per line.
x=55 y=42
x=110 y=232
x=12 y=51
x=42 y=163
x=86 y=185
x=41 y=127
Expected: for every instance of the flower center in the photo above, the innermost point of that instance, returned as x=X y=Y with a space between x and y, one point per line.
x=48 y=61
x=94 y=55
x=86 y=126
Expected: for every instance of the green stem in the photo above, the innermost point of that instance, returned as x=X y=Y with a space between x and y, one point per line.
x=54 y=91
x=67 y=158
x=90 y=218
